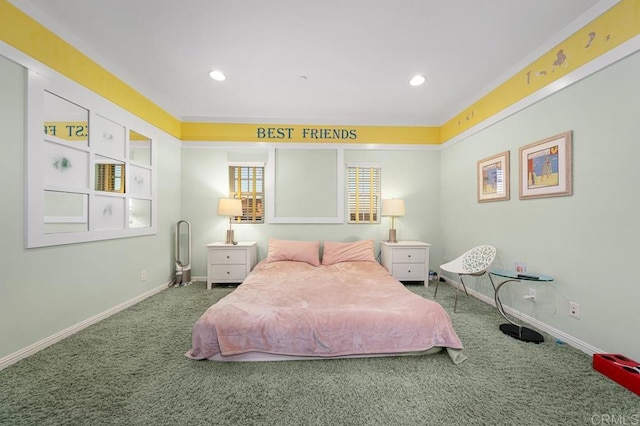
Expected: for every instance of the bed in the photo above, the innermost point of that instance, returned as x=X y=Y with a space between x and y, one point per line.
x=294 y=306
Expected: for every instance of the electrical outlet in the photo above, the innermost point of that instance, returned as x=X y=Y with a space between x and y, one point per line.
x=143 y=275
x=531 y=296
x=574 y=310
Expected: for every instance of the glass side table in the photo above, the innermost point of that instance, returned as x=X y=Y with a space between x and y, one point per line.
x=514 y=330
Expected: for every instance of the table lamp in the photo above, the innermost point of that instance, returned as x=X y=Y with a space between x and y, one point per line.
x=229 y=207
x=393 y=208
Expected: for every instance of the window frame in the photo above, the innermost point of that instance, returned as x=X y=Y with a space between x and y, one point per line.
x=252 y=194
x=354 y=199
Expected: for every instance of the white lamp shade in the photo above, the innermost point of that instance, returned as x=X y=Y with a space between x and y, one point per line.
x=393 y=207
x=229 y=207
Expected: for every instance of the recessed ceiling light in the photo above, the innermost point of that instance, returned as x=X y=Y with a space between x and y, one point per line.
x=417 y=80
x=217 y=75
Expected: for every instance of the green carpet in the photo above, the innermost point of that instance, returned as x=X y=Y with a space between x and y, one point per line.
x=129 y=369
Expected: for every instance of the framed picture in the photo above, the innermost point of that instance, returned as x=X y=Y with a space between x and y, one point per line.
x=545 y=167
x=493 y=178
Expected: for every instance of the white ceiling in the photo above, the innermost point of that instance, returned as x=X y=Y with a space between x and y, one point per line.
x=357 y=55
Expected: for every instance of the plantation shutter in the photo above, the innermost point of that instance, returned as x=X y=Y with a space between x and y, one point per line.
x=246 y=183
x=364 y=201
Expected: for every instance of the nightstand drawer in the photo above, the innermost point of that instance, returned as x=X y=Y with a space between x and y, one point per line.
x=409 y=255
x=229 y=273
x=228 y=257
x=409 y=271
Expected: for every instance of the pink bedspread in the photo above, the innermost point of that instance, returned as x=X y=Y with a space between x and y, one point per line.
x=293 y=308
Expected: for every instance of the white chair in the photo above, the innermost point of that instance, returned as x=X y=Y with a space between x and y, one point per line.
x=475 y=262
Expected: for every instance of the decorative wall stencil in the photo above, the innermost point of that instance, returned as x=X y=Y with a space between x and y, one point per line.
x=61 y=163
x=561 y=60
x=109 y=138
x=108 y=213
x=140 y=183
x=546 y=167
x=66 y=166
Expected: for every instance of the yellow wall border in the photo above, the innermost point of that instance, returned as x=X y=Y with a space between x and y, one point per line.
x=25 y=34
x=609 y=30
x=312 y=133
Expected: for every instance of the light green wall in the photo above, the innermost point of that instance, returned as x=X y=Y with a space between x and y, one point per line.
x=294 y=169
x=412 y=175
x=46 y=290
x=587 y=241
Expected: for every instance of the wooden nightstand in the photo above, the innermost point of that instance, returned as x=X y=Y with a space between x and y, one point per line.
x=406 y=260
x=228 y=263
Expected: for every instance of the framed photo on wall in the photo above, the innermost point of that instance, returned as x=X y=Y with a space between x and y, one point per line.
x=546 y=167
x=493 y=178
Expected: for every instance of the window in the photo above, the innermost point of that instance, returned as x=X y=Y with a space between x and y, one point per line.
x=364 y=201
x=246 y=182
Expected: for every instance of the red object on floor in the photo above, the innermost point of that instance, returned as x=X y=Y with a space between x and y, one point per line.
x=620 y=369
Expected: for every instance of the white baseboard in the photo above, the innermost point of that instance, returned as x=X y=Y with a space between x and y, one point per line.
x=558 y=334
x=48 y=341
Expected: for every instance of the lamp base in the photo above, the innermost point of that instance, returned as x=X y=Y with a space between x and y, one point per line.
x=392 y=236
x=229 y=237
